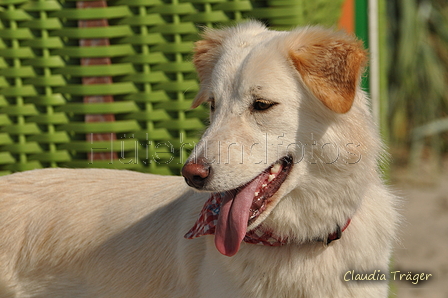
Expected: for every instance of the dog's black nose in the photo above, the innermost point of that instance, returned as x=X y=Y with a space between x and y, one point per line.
x=196 y=173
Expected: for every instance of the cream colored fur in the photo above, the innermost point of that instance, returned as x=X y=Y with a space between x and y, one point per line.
x=117 y=234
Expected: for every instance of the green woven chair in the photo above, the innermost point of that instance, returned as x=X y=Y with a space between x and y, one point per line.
x=152 y=80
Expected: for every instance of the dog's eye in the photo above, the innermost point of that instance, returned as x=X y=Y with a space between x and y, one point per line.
x=212 y=104
x=262 y=104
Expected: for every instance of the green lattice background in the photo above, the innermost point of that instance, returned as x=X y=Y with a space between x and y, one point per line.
x=154 y=82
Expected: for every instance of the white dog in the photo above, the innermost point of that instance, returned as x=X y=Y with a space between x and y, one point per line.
x=291 y=197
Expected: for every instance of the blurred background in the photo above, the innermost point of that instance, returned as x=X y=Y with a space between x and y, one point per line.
x=417 y=125
x=109 y=84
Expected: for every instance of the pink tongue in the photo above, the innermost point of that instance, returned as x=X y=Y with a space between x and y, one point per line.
x=233 y=217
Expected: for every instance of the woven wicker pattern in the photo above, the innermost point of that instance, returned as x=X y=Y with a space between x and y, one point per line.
x=286 y=14
x=29 y=137
x=153 y=82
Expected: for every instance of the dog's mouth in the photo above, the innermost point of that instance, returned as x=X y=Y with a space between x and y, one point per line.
x=271 y=180
x=243 y=205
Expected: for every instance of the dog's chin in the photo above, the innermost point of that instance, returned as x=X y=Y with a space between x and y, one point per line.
x=265 y=190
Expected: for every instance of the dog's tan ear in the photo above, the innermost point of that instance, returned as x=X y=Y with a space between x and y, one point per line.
x=330 y=65
x=206 y=54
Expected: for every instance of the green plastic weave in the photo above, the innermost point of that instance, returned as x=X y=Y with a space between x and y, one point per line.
x=154 y=82
x=287 y=14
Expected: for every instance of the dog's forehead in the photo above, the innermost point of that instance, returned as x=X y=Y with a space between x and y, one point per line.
x=245 y=63
x=265 y=66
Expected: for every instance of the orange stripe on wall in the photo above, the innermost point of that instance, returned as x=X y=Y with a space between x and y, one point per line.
x=347 y=20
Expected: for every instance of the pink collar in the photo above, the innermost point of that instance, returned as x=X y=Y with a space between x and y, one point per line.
x=206 y=223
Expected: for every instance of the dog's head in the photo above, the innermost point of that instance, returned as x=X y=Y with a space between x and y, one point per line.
x=287 y=117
